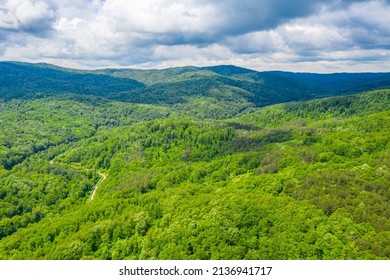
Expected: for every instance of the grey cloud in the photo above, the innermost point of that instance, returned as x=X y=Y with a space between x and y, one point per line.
x=364 y=25
x=128 y=33
x=368 y=37
x=257 y=42
x=240 y=17
x=35 y=17
x=237 y=17
x=244 y=27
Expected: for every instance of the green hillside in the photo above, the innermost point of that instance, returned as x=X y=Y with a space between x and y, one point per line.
x=193 y=163
x=190 y=164
x=23 y=80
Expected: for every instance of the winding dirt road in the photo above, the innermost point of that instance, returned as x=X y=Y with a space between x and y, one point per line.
x=94 y=189
x=103 y=177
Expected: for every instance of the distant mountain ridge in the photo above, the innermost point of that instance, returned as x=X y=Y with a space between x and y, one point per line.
x=339 y=83
x=24 y=80
x=224 y=83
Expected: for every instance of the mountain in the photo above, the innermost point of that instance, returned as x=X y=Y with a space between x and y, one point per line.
x=23 y=80
x=225 y=84
x=189 y=163
x=341 y=83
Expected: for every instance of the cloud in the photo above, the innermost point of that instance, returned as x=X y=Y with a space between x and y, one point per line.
x=241 y=17
x=366 y=24
x=260 y=34
x=35 y=17
x=201 y=22
x=360 y=28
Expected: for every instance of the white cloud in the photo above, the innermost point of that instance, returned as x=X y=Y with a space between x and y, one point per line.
x=22 y=15
x=260 y=34
x=309 y=37
x=157 y=16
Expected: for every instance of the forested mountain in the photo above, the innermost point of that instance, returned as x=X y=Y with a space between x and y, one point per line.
x=341 y=83
x=23 y=80
x=225 y=84
x=187 y=163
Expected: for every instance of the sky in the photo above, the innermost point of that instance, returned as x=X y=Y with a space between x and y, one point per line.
x=322 y=36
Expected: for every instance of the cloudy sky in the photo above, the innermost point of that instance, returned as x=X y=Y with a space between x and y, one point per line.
x=305 y=35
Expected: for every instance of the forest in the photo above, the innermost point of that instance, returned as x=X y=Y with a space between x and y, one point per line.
x=198 y=163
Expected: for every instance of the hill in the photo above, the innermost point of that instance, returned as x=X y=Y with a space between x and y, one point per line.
x=233 y=87
x=195 y=165
x=24 y=80
x=341 y=83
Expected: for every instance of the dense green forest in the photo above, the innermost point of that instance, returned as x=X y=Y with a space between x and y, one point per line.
x=189 y=163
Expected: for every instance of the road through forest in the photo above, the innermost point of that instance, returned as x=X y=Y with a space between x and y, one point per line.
x=103 y=177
